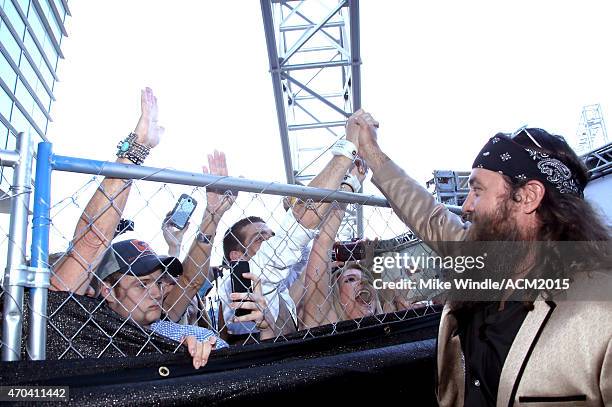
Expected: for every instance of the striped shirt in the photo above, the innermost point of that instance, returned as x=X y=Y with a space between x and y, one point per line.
x=177 y=332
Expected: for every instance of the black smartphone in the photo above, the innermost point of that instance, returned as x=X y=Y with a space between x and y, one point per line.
x=182 y=211
x=240 y=284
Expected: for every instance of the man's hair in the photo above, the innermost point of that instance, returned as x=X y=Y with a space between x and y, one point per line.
x=563 y=217
x=234 y=236
x=113 y=278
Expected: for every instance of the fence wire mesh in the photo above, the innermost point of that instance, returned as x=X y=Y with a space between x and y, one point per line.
x=147 y=285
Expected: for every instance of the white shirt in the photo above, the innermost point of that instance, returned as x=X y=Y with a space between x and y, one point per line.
x=278 y=263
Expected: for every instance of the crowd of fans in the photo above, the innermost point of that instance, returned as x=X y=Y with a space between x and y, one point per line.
x=524 y=187
x=294 y=282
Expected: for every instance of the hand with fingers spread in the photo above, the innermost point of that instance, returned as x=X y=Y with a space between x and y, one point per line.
x=255 y=302
x=173 y=236
x=148 y=130
x=218 y=201
x=199 y=350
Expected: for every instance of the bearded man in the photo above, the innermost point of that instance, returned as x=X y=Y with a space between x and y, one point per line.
x=524 y=187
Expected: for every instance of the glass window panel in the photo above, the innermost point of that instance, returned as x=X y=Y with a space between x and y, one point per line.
x=14 y=18
x=8 y=75
x=39 y=118
x=38 y=59
x=26 y=99
x=4 y=133
x=50 y=51
x=5 y=104
x=9 y=43
x=60 y=8
x=34 y=82
x=46 y=8
x=41 y=35
x=19 y=122
x=25 y=5
x=11 y=144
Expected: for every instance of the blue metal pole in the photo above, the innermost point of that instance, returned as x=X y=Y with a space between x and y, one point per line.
x=41 y=222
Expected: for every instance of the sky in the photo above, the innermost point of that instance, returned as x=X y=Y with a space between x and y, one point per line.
x=440 y=76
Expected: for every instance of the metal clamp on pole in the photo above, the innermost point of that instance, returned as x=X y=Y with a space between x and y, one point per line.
x=16 y=256
x=34 y=277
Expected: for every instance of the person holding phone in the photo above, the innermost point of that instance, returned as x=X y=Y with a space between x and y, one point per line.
x=271 y=256
x=182 y=292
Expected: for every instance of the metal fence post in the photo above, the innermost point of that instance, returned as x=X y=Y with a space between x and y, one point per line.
x=16 y=256
x=37 y=337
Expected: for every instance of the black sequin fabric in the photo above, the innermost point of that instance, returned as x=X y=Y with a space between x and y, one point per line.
x=374 y=358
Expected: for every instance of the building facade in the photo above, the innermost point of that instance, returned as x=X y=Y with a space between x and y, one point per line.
x=31 y=33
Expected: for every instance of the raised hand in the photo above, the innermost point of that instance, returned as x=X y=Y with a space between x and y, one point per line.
x=218 y=201
x=148 y=129
x=173 y=236
x=361 y=127
x=351 y=129
x=255 y=302
x=360 y=169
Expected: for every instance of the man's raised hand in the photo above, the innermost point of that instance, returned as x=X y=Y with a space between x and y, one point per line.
x=217 y=201
x=148 y=130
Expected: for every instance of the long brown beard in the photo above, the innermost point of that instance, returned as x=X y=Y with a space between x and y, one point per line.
x=499 y=226
x=507 y=246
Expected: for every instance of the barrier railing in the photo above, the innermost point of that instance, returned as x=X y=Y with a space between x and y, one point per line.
x=99 y=321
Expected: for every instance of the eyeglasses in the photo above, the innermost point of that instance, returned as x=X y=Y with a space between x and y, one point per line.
x=524 y=129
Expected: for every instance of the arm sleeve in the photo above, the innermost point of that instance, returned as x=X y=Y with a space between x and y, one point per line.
x=276 y=255
x=417 y=208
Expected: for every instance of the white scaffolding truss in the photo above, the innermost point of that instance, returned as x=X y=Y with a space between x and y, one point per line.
x=313 y=49
x=592 y=129
x=599 y=161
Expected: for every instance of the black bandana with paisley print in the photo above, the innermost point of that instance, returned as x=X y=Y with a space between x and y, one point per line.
x=520 y=163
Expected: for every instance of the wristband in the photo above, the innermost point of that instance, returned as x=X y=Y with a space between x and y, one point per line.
x=132 y=150
x=345 y=148
x=351 y=181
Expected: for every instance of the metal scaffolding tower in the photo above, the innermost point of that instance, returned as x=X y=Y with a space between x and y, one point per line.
x=313 y=49
x=592 y=129
x=599 y=161
x=450 y=187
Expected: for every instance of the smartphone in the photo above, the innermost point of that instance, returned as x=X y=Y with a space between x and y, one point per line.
x=182 y=211
x=348 y=251
x=240 y=284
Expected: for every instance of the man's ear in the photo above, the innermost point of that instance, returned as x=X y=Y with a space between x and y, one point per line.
x=235 y=255
x=532 y=194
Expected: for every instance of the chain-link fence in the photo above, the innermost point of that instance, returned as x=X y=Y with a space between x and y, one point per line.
x=140 y=260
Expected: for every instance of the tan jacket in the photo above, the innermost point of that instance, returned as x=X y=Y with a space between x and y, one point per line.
x=562 y=354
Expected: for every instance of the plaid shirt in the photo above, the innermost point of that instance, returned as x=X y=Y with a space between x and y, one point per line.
x=177 y=332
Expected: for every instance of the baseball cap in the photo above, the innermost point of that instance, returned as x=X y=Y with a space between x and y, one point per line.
x=138 y=258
